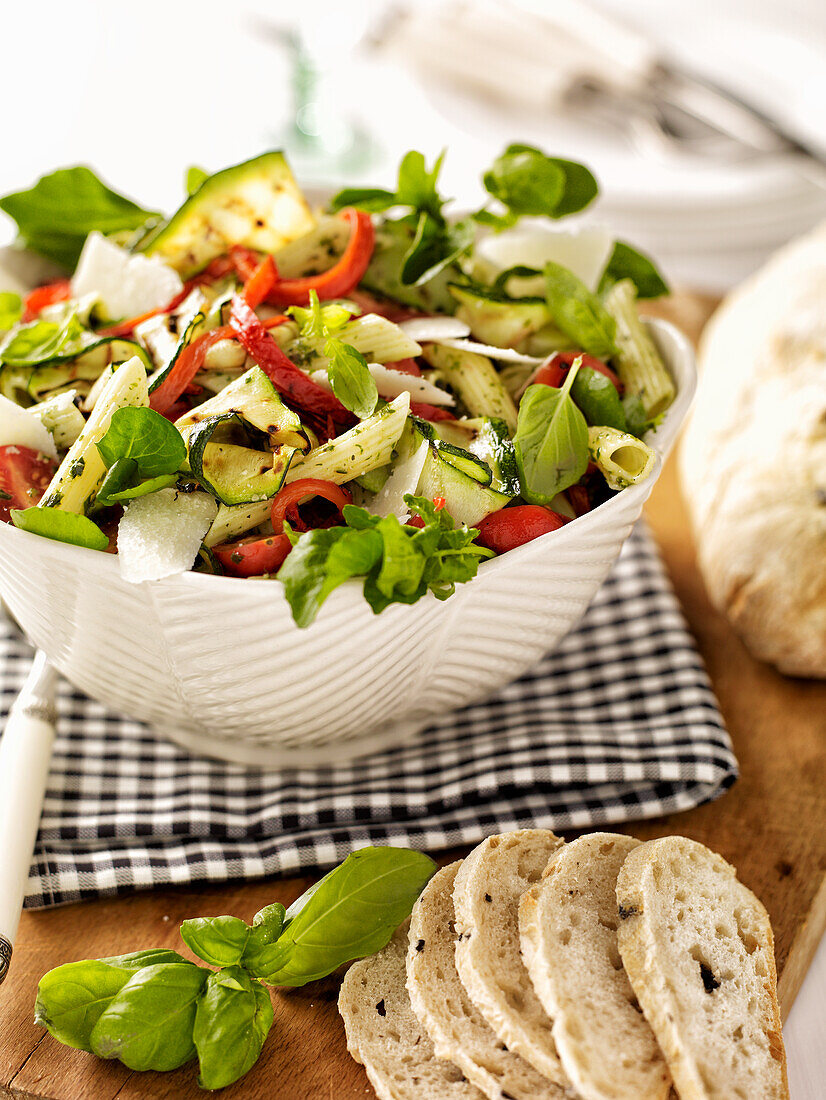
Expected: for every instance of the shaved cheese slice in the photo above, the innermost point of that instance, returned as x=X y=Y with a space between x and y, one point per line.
x=127 y=285
x=392 y=383
x=404 y=479
x=585 y=251
x=507 y=355
x=160 y=534
x=20 y=429
x=428 y=329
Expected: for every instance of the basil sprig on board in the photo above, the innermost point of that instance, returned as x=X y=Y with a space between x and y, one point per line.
x=56 y=215
x=551 y=440
x=155 y=1010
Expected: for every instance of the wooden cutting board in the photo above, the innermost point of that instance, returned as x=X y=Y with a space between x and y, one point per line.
x=771 y=826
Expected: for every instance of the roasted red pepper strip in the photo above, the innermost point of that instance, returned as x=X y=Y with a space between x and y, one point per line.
x=553 y=371
x=290 y=496
x=511 y=527
x=260 y=282
x=290 y=382
x=245 y=261
x=187 y=365
x=252 y=556
x=44 y=296
x=342 y=277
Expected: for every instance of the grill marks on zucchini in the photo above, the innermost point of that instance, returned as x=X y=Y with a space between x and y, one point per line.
x=241 y=442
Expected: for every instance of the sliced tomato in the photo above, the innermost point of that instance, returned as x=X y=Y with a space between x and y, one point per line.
x=553 y=371
x=252 y=556
x=511 y=527
x=287 y=499
x=405 y=366
x=43 y=296
x=24 y=477
x=430 y=412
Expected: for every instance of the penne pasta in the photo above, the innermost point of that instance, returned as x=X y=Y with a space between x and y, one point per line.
x=622 y=459
x=639 y=363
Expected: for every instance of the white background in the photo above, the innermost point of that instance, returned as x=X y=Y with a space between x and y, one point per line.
x=141 y=90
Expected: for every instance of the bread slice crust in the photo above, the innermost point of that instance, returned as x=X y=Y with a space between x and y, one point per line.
x=698 y=948
x=486 y=896
x=384 y=1035
x=458 y=1030
x=568 y=926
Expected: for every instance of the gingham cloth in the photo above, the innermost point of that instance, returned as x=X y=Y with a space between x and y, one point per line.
x=619 y=723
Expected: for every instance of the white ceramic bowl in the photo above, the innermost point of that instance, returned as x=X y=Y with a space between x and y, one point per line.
x=217 y=664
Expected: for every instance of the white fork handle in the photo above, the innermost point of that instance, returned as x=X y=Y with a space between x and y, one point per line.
x=25 y=754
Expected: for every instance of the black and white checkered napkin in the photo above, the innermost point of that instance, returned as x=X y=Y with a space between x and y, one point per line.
x=619 y=723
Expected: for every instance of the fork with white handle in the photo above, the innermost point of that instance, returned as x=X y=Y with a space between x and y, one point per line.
x=25 y=754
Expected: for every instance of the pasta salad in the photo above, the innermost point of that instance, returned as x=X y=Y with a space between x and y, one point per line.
x=372 y=390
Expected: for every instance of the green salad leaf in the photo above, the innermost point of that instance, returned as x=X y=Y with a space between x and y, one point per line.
x=39 y=341
x=232 y=1021
x=350 y=377
x=435 y=246
x=220 y=941
x=11 y=309
x=597 y=398
x=627 y=263
x=578 y=312
x=52 y=523
x=551 y=440
x=145 y=437
x=529 y=182
x=415 y=189
x=148 y=1024
x=56 y=215
x=400 y=563
x=352 y=912
x=72 y=997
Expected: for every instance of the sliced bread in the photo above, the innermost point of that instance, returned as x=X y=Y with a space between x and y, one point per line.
x=698 y=948
x=458 y=1030
x=384 y=1035
x=486 y=897
x=568 y=925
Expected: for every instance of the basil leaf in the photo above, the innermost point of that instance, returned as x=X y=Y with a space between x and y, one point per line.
x=40 y=341
x=350 y=377
x=71 y=998
x=636 y=421
x=148 y=1024
x=417 y=187
x=320 y=561
x=52 y=523
x=55 y=216
x=137 y=960
x=434 y=247
x=529 y=182
x=496 y=222
x=578 y=312
x=146 y=437
x=525 y=182
x=232 y=1022
x=195 y=176
x=318 y=321
x=106 y=497
x=352 y=913
x=372 y=199
x=597 y=398
x=627 y=263
x=11 y=309
x=551 y=441
x=220 y=941
x=266 y=928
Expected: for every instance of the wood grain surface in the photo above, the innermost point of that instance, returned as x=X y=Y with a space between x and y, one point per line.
x=771 y=825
